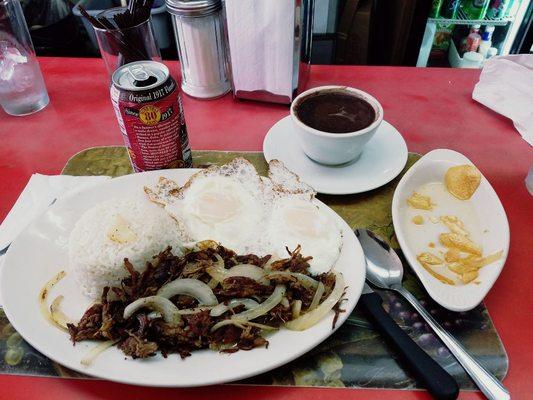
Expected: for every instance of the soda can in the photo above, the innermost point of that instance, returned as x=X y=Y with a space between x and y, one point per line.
x=150 y=115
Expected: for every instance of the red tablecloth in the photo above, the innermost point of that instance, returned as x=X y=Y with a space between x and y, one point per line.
x=431 y=107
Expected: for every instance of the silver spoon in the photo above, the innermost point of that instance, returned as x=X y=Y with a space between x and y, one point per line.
x=384 y=269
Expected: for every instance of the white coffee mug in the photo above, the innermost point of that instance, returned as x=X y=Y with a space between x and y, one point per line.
x=334 y=148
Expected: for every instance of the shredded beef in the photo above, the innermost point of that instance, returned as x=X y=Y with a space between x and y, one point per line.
x=295 y=263
x=277 y=316
x=239 y=286
x=252 y=259
x=89 y=326
x=138 y=348
x=144 y=325
x=329 y=282
x=145 y=333
x=227 y=334
x=199 y=323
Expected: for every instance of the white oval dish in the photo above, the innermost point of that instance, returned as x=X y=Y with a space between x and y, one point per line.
x=40 y=251
x=484 y=208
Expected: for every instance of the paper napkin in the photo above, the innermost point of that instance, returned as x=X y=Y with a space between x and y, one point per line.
x=261 y=45
x=40 y=192
x=506 y=86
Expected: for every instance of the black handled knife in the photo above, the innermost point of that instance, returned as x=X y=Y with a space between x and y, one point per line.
x=427 y=371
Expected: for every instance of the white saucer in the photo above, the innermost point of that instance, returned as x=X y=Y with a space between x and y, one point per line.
x=382 y=160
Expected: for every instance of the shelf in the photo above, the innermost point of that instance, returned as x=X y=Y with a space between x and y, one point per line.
x=462 y=20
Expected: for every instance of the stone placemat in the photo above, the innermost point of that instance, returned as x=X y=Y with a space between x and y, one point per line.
x=355 y=356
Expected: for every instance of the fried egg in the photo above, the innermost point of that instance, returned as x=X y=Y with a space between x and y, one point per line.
x=247 y=213
x=226 y=205
x=294 y=221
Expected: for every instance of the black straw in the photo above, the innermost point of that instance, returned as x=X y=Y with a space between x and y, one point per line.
x=127 y=43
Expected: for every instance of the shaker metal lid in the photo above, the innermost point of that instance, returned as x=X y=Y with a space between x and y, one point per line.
x=126 y=76
x=193 y=8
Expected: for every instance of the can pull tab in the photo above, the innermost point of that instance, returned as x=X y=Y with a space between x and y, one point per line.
x=141 y=77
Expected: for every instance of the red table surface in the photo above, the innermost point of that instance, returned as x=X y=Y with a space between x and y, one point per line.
x=432 y=108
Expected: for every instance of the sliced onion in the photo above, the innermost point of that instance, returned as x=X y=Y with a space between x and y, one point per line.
x=318 y=295
x=220 y=309
x=312 y=317
x=220 y=261
x=43 y=296
x=190 y=287
x=96 y=351
x=191 y=268
x=57 y=315
x=272 y=301
x=305 y=280
x=284 y=302
x=154 y=315
x=273 y=258
x=196 y=310
x=217 y=273
x=245 y=270
x=185 y=311
x=168 y=310
x=248 y=271
x=296 y=308
x=260 y=326
x=219 y=265
x=225 y=322
x=242 y=324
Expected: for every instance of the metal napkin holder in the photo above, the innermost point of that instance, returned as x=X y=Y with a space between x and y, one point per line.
x=270 y=47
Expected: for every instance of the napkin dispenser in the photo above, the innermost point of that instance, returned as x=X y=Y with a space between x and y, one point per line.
x=270 y=47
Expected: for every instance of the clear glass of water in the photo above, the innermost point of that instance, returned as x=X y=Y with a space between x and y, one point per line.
x=22 y=89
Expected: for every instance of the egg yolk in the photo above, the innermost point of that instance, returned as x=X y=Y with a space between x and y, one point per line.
x=217 y=207
x=304 y=221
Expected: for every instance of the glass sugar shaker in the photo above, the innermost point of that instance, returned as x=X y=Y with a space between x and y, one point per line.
x=202 y=48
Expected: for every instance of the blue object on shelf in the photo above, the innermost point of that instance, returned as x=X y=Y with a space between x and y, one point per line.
x=160 y=19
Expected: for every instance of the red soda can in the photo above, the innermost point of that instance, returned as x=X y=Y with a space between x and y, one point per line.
x=150 y=115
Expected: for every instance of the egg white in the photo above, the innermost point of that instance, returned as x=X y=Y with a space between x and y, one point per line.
x=294 y=221
x=234 y=206
x=219 y=208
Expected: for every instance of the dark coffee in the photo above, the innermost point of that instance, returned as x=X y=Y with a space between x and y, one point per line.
x=335 y=112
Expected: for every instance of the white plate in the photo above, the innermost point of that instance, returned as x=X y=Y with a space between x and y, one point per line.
x=41 y=251
x=382 y=160
x=484 y=209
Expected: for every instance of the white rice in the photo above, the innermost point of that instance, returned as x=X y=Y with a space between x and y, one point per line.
x=96 y=261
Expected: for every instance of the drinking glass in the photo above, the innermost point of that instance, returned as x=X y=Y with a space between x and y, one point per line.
x=122 y=46
x=22 y=89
